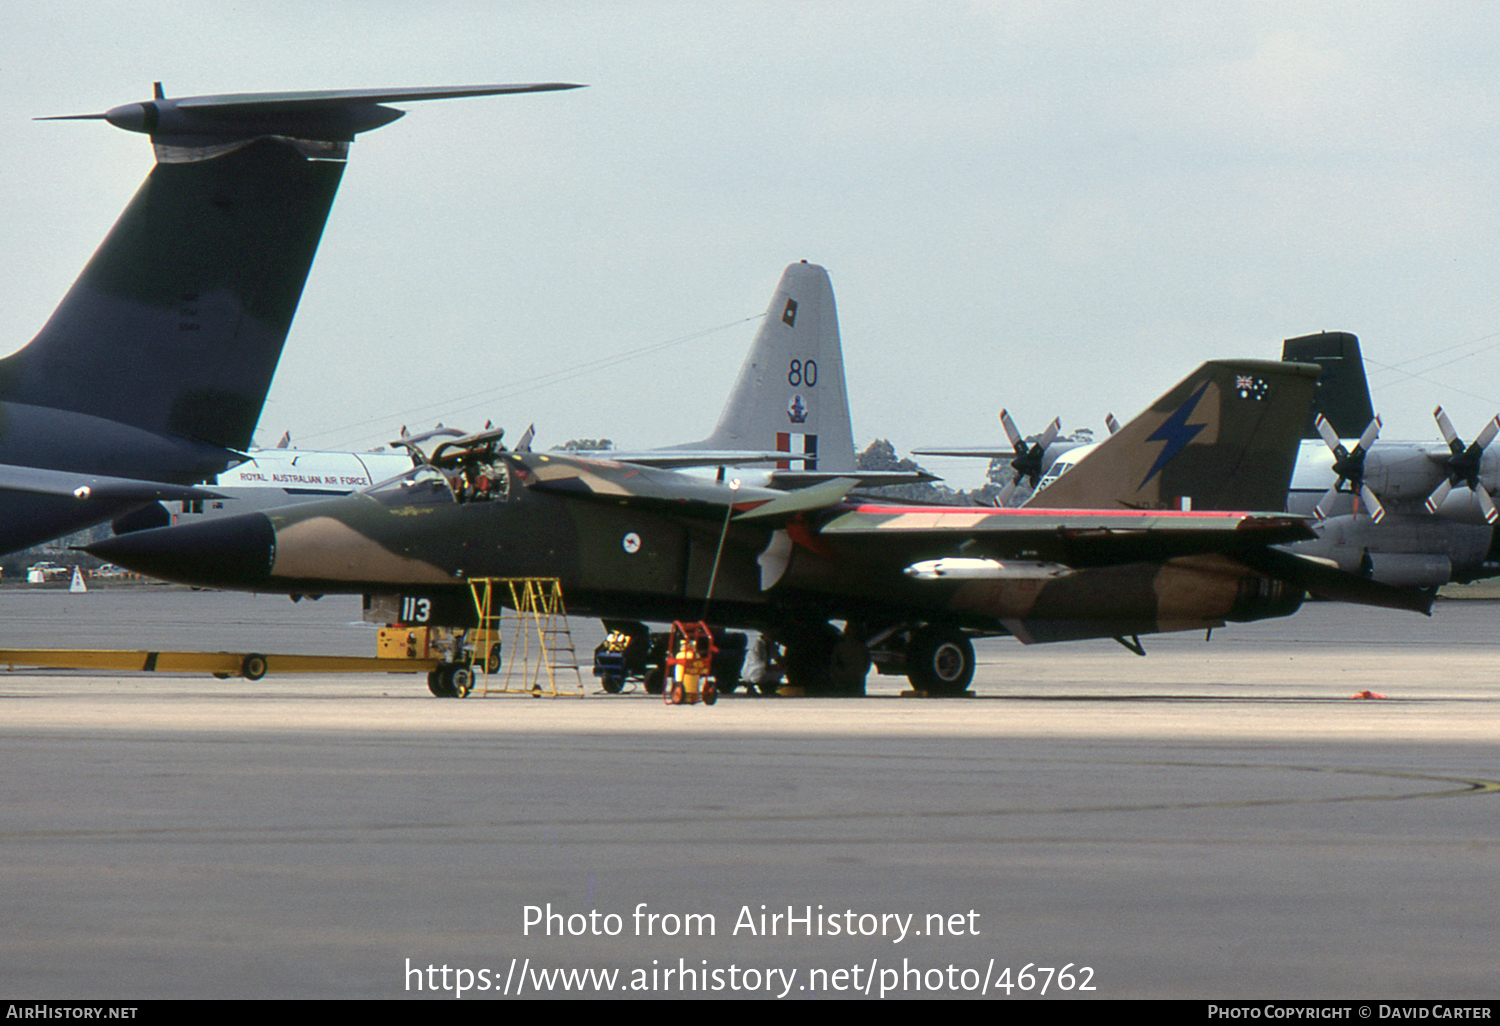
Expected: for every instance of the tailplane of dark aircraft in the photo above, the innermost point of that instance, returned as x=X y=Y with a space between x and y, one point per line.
x=151 y=374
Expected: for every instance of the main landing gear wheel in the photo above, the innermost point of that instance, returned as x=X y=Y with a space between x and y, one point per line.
x=809 y=657
x=824 y=661
x=849 y=665
x=940 y=661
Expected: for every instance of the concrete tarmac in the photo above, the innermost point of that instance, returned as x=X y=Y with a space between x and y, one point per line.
x=1214 y=820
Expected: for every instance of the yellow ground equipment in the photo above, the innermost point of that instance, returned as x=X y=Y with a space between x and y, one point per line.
x=250 y=665
x=690 y=658
x=541 y=645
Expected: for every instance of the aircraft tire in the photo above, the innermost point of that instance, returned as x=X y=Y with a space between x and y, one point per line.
x=849 y=665
x=729 y=661
x=940 y=660
x=439 y=685
x=253 y=666
x=809 y=658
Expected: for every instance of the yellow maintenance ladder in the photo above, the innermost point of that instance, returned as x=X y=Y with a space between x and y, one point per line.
x=541 y=645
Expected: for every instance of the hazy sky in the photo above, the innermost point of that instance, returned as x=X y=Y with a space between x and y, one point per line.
x=1057 y=207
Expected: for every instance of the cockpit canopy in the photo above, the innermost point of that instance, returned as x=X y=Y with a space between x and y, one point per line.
x=482 y=478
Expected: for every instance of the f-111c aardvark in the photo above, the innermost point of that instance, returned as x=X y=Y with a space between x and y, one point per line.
x=912 y=584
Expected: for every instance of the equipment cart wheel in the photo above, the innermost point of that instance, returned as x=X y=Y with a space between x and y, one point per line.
x=451 y=680
x=253 y=666
x=676 y=694
x=710 y=693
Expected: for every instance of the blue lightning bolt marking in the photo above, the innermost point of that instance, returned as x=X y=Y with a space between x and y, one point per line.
x=1176 y=432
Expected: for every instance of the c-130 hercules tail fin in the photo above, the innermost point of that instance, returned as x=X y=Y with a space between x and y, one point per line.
x=790 y=394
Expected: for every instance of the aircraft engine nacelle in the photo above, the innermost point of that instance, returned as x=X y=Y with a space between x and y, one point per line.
x=1417 y=570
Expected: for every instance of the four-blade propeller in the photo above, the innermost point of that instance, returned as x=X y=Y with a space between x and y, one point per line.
x=1463 y=465
x=1349 y=465
x=1028 y=462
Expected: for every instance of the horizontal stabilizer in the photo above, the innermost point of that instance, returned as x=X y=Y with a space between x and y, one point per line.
x=791 y=479
x=330 y=116
x=687 y=458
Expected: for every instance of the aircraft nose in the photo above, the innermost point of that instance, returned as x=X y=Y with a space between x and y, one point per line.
x=228 y=552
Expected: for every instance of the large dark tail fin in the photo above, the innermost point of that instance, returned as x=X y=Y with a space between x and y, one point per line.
x=1225 y=438
x=177 y=323
x=1343 y=394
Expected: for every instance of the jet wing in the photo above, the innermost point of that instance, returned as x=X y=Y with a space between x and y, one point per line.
x=783 y=480
x=95 y=486
x=1058 y=540
x=1076 y=538
x=617 y=482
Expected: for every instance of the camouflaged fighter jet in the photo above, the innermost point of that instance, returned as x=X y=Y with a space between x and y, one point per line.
x=912 y=584
x=152 y=372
